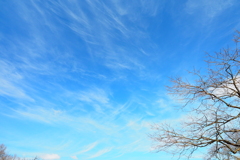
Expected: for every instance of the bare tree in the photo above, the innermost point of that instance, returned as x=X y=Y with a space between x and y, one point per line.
x=5 y=156
x=215 y=106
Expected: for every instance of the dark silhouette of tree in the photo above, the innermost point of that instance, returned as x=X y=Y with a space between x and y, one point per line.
x=216 y=124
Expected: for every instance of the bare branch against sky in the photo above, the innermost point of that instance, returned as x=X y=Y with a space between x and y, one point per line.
x=215 y=119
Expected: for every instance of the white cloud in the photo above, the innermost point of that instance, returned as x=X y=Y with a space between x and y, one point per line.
x=50 y=156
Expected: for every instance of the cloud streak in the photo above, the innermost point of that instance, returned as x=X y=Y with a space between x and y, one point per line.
x=88 y=148
x=209 y=8
x=100 y=153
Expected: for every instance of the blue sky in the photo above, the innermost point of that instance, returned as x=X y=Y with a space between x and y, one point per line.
x=85 y=79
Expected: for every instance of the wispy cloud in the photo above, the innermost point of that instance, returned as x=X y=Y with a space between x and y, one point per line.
x=40 y=114
x=112 y=27
x=10 y=80
x=7 y=88
x=88 y=148
x=209 y=8
x=92 y=98
x=93 y=126
x=152 y=7
x=94 y=95
x=100 y=153
x=74 y=157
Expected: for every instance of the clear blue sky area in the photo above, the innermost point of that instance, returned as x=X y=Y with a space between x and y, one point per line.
x=85 y=79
